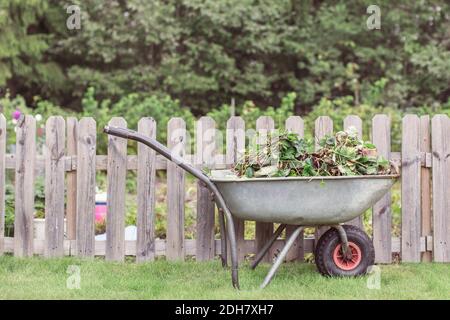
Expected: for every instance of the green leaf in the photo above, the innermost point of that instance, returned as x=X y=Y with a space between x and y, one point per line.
x=249 y=172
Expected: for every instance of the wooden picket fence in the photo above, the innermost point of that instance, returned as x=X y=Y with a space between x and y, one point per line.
x=69 y=163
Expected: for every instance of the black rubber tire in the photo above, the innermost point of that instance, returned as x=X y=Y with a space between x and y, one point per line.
x=328 y=243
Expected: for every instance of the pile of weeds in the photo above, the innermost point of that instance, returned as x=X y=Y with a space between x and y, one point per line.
x=285 y=154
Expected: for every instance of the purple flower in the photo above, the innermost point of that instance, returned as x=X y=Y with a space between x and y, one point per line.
x=16 y=114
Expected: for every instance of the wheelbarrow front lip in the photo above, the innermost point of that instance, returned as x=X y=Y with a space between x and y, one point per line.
x=244 y=179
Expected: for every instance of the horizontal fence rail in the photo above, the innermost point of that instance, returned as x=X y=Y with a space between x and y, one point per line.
x=69 y=163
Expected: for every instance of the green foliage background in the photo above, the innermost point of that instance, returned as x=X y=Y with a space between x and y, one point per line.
x=206 y=52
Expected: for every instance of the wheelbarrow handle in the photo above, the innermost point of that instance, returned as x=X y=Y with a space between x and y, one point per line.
x=158 y=147
x=165 y=152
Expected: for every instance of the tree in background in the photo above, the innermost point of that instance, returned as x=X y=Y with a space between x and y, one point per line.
x=26 y=38
x=205 y=52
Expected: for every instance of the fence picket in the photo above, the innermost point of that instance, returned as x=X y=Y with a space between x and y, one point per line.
x=176 y=141
x=425 y=185
x=296 y=253
x=54 y=186
x=146 y=176
x=2 y=181
x=322 y=126
x=381 y=211
x=24 y=189
x=205 y=156
x=356 y=122
x=87 y=139
x=411 y=219
x=263 y=230
x=116 y=177
x=235 y=136
x=440 y=128
x=71 y=207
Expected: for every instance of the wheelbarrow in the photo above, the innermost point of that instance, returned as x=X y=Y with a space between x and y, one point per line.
x=343 y=250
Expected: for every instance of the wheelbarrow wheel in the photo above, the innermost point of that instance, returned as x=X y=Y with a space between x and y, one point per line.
x=330 y=259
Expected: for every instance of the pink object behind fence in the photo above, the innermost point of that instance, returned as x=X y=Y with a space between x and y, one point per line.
x=100 y=207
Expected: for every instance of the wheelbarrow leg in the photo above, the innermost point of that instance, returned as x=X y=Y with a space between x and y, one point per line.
x=230 y=232
x=290 y=241
x=267 y=246
x=223 y=239
x=344 y=240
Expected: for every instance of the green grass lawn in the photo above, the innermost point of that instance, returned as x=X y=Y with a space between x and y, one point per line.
x=38 y=278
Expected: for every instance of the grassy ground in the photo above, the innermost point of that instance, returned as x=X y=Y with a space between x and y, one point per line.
x=38 y=278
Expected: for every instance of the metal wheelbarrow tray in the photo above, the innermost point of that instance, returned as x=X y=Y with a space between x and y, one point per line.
x=306 y=201
x=343 y=250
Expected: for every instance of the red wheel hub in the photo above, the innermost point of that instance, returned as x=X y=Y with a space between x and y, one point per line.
x=345 y=262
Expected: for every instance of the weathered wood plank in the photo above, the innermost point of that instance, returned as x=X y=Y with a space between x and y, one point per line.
x=2 y=181
x=429 y=244
x=71 y=206
x=235 y=140
x=263 y=230
x=132 y=162
x=296 y=253
x=440 y=133
x=160 y=246
x=205 y=156
x=176 y=141
x=101 y=162
x=116 y=179
x=381 y=211
x=322 y=126
x=55 y=132
x=425 y=183
x=146 y=178
x=86 y=148
x=235 y=136
x=354 y=122
x=38 y=246
x=69 y=164
x=411 y=220
x=24 y=186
